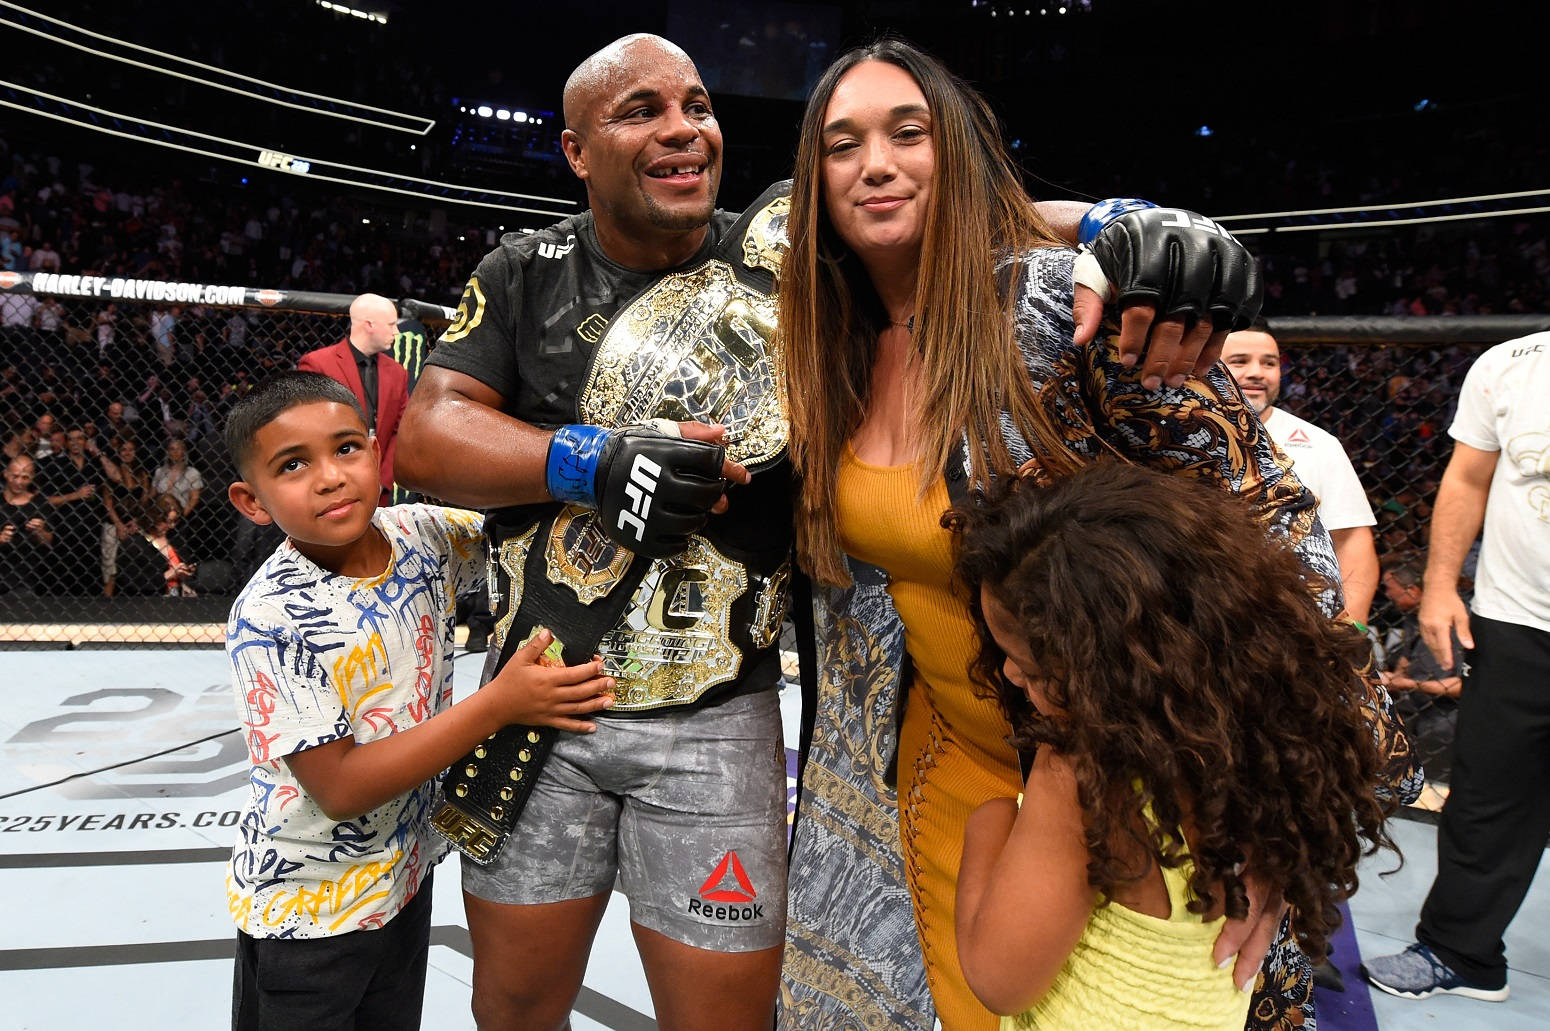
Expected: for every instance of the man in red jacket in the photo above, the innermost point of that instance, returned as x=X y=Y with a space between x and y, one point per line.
x=359 y=362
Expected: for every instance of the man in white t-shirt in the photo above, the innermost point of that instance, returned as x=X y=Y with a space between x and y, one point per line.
x=1492 y=832
x=1254 y=358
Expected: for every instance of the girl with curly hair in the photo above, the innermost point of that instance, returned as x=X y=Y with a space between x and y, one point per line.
x=1190 y=708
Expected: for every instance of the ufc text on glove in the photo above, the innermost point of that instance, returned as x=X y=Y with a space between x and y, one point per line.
x=650 y=489
x=1184 y=263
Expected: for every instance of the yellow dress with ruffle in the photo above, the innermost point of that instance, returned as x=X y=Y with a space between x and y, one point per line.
x=1134 y=972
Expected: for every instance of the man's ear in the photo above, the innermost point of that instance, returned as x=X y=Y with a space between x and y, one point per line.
x=570 y=146
x=247 y=502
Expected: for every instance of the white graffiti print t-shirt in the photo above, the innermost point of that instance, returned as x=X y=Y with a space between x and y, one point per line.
x=316 y=657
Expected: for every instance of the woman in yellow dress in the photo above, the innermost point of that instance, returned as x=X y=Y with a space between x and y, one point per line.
x=925 y=311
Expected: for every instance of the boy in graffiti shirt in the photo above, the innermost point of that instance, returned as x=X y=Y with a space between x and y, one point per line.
x=340 y=650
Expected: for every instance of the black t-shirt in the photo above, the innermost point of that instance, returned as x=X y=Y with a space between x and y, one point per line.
x=535 y=309
x=58 y=475
x=21 y=559
x=528 y=326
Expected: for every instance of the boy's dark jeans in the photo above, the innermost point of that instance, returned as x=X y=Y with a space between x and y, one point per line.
x=361 y=981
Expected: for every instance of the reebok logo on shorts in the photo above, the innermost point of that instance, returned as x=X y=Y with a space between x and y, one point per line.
x=726 y=887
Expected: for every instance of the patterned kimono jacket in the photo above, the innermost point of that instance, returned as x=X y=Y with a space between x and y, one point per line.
x=852 y=957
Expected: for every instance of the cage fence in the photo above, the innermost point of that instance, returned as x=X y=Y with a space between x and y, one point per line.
x=118 y=389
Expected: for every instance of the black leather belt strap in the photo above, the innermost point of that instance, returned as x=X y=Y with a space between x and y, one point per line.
x=484 y=792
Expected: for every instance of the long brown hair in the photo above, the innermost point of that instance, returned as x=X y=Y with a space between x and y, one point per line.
x=1191 y=658
x=830 y=315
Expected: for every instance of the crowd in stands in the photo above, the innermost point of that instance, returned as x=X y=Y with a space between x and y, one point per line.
x=147 y=386
x=58 y=215
x=1500 y=267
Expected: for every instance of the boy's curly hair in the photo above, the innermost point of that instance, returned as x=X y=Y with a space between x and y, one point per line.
x=1191 y=657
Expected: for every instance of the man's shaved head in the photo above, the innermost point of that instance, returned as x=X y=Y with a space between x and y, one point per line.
x=373 y=323
x=609 y=67
x=640 y=132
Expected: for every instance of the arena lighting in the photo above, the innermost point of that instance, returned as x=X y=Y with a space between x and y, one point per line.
x=503 y=115
x=295 y=164
x=484 y=111
x=379 y=18
x=1476 y=215
x=419 y=125
x=521 y=116
x=1385 y=207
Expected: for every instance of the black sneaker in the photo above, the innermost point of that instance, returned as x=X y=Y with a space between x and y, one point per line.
x=478 y=640
x=1328 y=977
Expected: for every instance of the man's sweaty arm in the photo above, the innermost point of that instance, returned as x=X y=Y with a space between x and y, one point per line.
x=457 y=445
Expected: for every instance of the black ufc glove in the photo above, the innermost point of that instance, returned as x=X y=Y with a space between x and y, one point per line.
x=650 y=489
x=1182 y=262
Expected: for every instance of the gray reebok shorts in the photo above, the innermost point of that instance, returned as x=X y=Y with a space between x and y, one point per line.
x=687 y=809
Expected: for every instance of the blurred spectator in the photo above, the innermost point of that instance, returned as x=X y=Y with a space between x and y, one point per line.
x=1411 y=664
x=128 y=489
x=44 y=259
x=44 y=428
x=25 y=536
x=162 y=324
x=21 y=441
x=70 y=482
x=114 y=427
x=1424 y=691
x=177 y=479
x=149 y=560
x=13 y=254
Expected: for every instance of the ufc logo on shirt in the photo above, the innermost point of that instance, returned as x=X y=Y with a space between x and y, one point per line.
x=557 y=250
x=639 y=491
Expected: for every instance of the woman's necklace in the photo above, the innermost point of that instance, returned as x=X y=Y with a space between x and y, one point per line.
x=908 y=325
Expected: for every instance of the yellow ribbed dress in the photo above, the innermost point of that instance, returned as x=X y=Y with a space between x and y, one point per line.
x=953 y=750
x=1134 y=972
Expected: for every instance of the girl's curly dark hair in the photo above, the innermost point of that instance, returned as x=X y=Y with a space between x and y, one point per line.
x=1191 y=658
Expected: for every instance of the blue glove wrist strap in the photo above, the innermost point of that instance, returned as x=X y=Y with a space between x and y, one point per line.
x=1106 y=211
x=571 y=470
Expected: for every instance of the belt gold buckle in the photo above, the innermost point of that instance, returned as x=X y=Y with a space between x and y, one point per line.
x=471 y=835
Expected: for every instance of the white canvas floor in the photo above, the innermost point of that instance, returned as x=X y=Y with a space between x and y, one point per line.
x=111 y=884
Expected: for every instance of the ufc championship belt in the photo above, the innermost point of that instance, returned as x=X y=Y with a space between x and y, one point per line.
x=692 y=346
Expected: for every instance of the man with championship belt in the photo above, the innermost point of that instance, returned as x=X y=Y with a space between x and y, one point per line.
x=610 y=393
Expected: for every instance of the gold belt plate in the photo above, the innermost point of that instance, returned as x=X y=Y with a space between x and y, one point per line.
x=696 y=346
x=674 y=642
